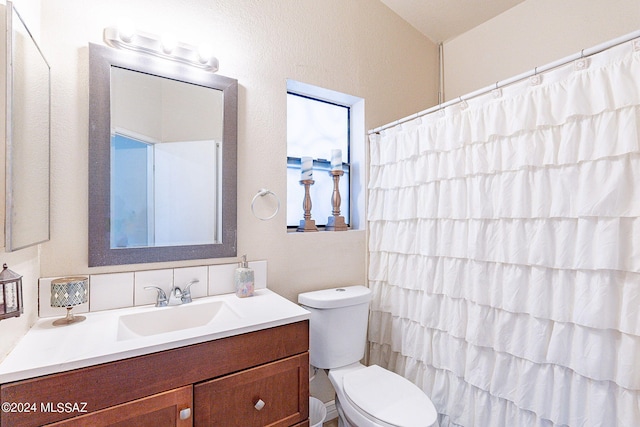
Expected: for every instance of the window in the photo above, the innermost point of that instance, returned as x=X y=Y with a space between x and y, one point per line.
x=315 y=128
x=319 y=121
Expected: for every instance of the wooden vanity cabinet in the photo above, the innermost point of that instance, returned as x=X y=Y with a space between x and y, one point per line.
x=223 y=379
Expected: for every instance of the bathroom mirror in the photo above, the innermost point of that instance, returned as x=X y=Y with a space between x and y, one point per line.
x=27 y=137
x=162 y=160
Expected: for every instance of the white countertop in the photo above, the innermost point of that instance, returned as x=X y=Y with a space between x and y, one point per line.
x=48 y=349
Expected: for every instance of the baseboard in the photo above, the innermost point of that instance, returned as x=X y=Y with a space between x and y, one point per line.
x=332 y=411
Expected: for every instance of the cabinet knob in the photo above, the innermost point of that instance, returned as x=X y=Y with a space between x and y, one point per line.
x=259 y=404
x=185 y=414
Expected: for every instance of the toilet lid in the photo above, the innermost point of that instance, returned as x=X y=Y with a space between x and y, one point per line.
x=389 y=397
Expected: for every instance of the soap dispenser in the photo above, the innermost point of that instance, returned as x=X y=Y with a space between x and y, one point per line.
x=244 y=279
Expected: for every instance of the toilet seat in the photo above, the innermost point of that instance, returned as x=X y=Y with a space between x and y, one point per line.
x=387 y=398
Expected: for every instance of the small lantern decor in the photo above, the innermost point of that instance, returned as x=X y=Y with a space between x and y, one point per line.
x=69 y=292
x=10 y=294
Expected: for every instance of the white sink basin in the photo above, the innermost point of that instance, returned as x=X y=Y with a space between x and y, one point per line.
x=170 y=319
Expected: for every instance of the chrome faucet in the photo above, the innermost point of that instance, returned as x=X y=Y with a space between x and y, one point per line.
x=161 y=300
x=186 y=292
x=176 y=296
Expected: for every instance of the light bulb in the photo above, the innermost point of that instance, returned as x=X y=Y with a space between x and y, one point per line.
x=169 y=43
x=204 y=53
x=126 y=30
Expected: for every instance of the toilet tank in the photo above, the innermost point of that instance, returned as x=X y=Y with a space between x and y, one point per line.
x=338 y=325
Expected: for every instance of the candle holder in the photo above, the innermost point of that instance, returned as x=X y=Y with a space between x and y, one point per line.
x=10 y=294
x=68 y=292
x=307 y=224
x=336 y=221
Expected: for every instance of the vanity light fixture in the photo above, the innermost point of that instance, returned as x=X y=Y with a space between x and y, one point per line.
x=10 y=294
x=69 y=292
x=166 y=47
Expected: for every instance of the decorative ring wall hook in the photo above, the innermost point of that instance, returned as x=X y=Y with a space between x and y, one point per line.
x=261 y=193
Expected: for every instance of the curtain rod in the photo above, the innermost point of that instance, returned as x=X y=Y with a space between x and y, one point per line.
x=500 y=84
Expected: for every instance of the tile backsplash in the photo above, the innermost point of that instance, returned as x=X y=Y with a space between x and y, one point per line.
x=113 y=290
x=118 y=290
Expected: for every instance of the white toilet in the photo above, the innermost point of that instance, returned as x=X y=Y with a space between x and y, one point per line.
x=366 y=396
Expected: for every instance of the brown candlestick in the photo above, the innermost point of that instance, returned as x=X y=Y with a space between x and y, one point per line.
x=336 y=221
x=307 y=224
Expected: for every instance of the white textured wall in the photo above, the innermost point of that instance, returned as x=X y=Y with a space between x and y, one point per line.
x=532 y=34
x=358 y=47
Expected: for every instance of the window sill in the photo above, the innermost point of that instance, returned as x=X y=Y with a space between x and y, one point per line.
x=321 y=228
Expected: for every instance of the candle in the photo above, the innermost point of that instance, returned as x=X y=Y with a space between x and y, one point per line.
x=336 y=160
x=306 y=168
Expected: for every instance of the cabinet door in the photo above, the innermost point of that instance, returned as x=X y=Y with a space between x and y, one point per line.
x=169 y=409
x=275 y=395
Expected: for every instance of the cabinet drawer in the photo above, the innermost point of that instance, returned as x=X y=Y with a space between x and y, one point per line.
x=283 y=386
x=160 y=410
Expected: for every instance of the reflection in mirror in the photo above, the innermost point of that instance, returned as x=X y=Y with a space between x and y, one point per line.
x=166 y=139
x=162 y=160
x=27 y=136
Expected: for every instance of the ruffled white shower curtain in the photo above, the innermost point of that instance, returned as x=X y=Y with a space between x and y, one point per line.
x=505 y=250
